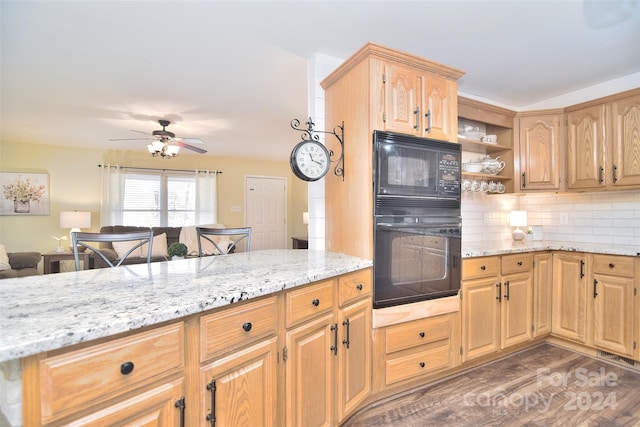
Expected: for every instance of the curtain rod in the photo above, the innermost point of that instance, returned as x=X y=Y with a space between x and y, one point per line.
x=168 y=170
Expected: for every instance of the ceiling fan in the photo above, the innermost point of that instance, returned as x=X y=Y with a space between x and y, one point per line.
x=164 y=143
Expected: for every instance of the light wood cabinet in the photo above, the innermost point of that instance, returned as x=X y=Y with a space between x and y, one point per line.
x=542 y=293
x=604 y=143
x=378 y=89
x=614 y=295
x=516 y=316
x=540 y=139
x=570 y=296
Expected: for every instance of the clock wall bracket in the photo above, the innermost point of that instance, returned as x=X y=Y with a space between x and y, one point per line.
x=308 y=133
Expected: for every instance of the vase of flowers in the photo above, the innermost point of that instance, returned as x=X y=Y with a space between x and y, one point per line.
x=22 y=192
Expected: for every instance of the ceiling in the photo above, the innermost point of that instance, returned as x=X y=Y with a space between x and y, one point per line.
x=234 y=73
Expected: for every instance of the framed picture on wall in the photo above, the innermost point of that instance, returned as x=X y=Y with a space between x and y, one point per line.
x=24 y=193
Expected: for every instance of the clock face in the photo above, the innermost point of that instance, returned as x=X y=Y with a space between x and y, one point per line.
x=310 y=160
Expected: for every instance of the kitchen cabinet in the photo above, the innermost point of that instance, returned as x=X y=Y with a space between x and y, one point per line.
x=570 y=296
x=604 y=143
x=540 y=139
x=327 y=352
x=378 y=89
x=419 y=104
x=497 y=303
x=494 y=121
x=542 y=293
x=614 y=296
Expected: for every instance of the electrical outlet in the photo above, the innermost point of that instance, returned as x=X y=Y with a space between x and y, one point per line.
x=235 y=209
x=564 y=218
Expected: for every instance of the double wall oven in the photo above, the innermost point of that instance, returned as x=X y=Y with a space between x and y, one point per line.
x=417 y=222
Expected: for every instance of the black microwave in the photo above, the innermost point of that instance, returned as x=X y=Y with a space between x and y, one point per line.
x=409 y=166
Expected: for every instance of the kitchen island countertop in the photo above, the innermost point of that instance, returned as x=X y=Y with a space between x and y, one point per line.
x=42 y=313
x=490 y=248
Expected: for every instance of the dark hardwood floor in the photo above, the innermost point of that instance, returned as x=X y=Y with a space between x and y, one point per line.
x=542 y=386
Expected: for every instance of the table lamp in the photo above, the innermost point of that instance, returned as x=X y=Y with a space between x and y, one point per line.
x=75 y=221
x=518 y=219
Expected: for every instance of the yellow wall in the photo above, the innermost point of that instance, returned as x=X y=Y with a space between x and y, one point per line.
x=74 y=184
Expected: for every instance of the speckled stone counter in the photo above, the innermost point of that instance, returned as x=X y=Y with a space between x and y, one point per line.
x=489 y=248
x=42 y=313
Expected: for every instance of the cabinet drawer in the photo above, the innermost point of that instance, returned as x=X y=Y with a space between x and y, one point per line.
x=517 y=263
x=416 y=364
x=473 y=268
x=81 y=377
x=353 y=286
x=416 y=333
x=306 y=303
x=613 y=265
x=237 y=326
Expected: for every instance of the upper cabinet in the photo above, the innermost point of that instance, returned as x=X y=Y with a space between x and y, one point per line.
x=540 y=137
x=603 y=150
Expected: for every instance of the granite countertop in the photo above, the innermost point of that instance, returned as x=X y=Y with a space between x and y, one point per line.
x=489 y=248
x=42 y=313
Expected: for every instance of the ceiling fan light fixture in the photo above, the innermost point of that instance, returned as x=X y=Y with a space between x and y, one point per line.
x=163 y=148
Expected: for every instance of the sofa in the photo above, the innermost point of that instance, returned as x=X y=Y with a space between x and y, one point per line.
x=186 y=235
x=22 y=264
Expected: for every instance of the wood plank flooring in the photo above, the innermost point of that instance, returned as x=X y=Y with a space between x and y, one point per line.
x=542 y=386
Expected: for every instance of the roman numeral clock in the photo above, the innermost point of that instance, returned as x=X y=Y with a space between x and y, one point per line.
x=310 y=160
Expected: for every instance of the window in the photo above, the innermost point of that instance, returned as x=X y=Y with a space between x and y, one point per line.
x=153 y=198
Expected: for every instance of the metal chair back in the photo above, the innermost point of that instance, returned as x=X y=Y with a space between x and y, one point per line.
x=79 y=239
x=236 y=235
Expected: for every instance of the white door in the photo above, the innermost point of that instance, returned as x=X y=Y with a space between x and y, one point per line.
x=266 y=207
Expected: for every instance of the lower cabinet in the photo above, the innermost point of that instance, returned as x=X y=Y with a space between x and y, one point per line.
x=542 y=293
x=570 y=296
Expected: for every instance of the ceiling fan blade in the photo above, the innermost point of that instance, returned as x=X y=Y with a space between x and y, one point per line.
x=190 y=140
x=131 y=139
x=139 y=131
x=190 y=147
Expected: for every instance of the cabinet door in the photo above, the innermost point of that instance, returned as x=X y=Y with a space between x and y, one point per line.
x=539 y=152
x=516 y=310
x=439 y=109
x=569 y=296
x=542 y=294
x=402 y=98
x=613 y=313
x=480 y=317
x=241 y=389
x=354 y=357
x=309 y=373
x=585 y=157
x=158 y=407
x=625 y=141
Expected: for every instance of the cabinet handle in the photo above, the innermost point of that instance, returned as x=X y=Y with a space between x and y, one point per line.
x=612 y=265
x=601 y=175
x=417 y=113
x=581 y=269
x=180 y=404
x=524 y=180
x=315 y=302
x=126 y=368
x=595 y=288
x=615 y=173
x=483 y=267
x=422 y=334
x=247 y=326
x=499 y=287
x=520 y=263
x=428 y=116
x=211 y=417
x=347 y=340
x=506 y=290
x=334 y=347
x=359 y=286
x=422 y=364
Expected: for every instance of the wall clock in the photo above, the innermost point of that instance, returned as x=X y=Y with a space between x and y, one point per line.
x=310 y=160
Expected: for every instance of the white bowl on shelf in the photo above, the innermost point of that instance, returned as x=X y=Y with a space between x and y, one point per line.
x=473 y=167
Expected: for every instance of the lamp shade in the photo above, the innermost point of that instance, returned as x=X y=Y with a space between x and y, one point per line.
x=75 y=219
x=518 y=218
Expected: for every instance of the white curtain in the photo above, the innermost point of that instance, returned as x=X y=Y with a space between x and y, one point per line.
x=207 y=197
x=113 y=179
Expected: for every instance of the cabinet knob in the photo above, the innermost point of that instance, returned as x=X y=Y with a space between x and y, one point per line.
x=520 y=263
x=359 y=286
x=126 y=368
x=422 y=364
x=315 y=302
x=612 y=265
x=247 y=326
x=422 y=334
x=483 y=267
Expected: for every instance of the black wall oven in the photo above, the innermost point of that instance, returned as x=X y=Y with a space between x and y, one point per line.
x=417 y=223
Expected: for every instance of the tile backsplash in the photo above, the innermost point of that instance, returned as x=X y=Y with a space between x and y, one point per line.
x=602 y=217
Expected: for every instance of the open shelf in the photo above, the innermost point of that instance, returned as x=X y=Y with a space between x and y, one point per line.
x=486 y=176
x=481 y=147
